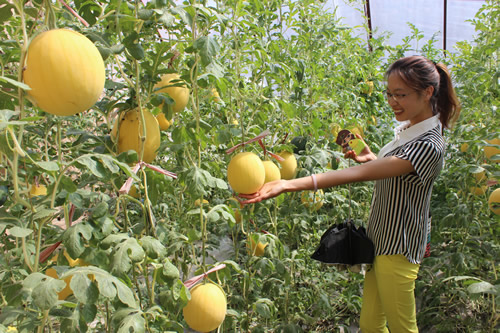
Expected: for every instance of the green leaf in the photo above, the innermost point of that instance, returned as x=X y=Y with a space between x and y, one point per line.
x=165 y=17
x=197 y=181
x=207 y=47
x=136 y=51
x=109 y=286
x=126 y=251
x=153 y=247
x=68 y=184
x=74 y=238
x=263 y=309
x=48 y=166
x=5 y=115
x=482 y=287
x=43 y=289
x=100 y=210
x=7 y=220
x=15 y=83
x=83 y=288
x=179 y=291
x=97 y=163
x=19 y=232
x=145 y=14
x=185 y=16
x=44 y=212
x=94 y=167
x=169 y=270
x=117 y=49
x=129 y=320
x=6 y=11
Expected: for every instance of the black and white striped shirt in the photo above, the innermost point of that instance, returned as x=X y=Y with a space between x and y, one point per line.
x=399 y=220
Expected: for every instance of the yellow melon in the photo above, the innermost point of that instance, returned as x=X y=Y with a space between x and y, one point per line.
x=494 y=201
x=237 y=215
x=67 y=291
x=256 y=249
x=37 y=190
x=490 y=151
x=478 y=190
x=214 y=95
x=288 y=166
x=480 y=176
x=313 y=200
x=179 y=93
x=207 y=307
x=272 y=171
x=163 y=121
x=246 y=173
x=130 y=131
x=65 y=72
x=197 y=202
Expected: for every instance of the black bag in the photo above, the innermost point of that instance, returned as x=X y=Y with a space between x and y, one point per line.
x=343 y=243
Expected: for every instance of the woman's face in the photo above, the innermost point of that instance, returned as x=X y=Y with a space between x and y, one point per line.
x=407 y=103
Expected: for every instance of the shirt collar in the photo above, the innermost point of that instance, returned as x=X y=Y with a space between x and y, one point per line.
x=410 y=132
x=405 y=133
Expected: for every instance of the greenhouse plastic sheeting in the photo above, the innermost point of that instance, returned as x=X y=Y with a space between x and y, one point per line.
x=428 y=16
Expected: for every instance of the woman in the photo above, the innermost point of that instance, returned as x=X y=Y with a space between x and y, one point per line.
x=421 y=96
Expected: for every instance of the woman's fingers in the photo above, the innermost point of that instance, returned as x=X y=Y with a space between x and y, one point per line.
x=269 y=190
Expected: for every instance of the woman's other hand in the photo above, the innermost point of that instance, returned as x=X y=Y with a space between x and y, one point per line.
x=365 y=156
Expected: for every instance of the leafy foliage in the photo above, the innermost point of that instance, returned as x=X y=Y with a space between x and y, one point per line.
x=287 y=66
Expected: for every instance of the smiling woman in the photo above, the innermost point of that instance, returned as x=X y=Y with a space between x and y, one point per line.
x=422 y=98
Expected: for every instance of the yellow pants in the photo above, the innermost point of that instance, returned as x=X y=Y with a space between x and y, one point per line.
x=388 y=296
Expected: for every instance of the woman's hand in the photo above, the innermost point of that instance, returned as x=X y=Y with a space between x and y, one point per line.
x=267 y=191
x=365 y=156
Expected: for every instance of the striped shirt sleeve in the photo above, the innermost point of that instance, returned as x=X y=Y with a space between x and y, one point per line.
x=426 y=157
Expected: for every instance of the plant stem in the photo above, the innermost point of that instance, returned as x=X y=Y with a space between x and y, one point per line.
x=41 y=328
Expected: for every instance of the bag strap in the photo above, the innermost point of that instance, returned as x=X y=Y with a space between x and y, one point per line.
x=349 y=188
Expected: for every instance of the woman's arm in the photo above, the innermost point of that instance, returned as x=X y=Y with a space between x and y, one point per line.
x=386 y=167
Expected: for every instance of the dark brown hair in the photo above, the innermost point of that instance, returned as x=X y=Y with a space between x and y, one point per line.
x=418 y=73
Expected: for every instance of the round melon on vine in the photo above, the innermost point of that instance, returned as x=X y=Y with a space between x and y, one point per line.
x=173 y=85
x=65 y=72
x=288 y=166
x=207 y=307
x=246 y=173
x=127 y=132
x=272 y=171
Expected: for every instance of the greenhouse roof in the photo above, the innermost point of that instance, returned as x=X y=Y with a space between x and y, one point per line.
x=448 y=21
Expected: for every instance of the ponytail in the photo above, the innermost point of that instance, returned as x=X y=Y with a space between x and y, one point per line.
x=420 y=73
x=445 y=99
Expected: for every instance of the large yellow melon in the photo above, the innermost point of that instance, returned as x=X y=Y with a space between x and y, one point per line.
x=169 y=85
x=288 y=166
x=272 y=171
x=130 y=132
x=246 y=173
x=65 y=72
x=207 y=307
x=494 y=201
